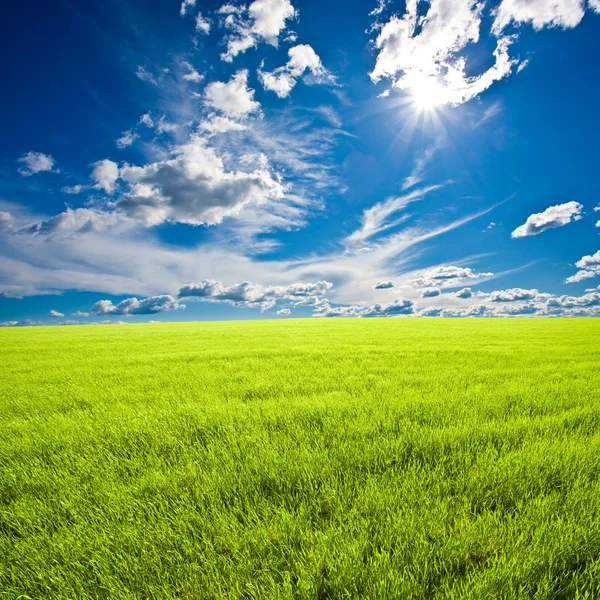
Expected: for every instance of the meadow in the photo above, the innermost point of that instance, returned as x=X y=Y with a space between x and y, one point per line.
x=309 y=459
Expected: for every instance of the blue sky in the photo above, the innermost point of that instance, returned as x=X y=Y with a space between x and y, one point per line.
x=291 y=158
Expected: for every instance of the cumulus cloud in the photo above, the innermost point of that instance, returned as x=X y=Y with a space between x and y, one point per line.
x=23 y=323
x=302 y=58
x=35 y=162
x=55 y=314
x=590 y=267
x=513 y=295
x=447 y=276
x=234 y=99
x=421 y=52
x=384 y=285
x=539 y=13
x=133 y=306
x=194 y=188
x=105 y=175
x=262 y=21
x=464 y=294
x=478 y=310
x=585 y=301
x=581 y=276
x=430 y=292
x=126 y=139
x=284 y=312
x=250 y=294
x=555 y=216
x=398 y=307
x=590 y=261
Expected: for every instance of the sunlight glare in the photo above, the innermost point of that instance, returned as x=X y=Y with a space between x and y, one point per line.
x=427 y=95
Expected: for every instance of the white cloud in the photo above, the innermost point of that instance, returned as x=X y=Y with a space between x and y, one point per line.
x=234 y=99
x=302 y=58
x=381 y=5
x=250 y=294
x=540 y=13
x=590 y=261
x=514 y=295
x=55 y=314
x=73 y=189
x=398 y=307
x=185 y=5
x=585 y=301
x=447 y=276
x=202 y=24
x=81 y=314
x=133 y=306
x=126 y=139
x=376 y=219
x=6 y=221
x=144 y=75
x=430 y=292
x=265 y=21
x=418 y=173
x=284 y=312
x=147 y=120
x=476 y=310
x=35 y=162
x=422 y=54
x=464 y=294
x=78 y=220
x=194 y=188
x=220 y=125
x=590 y=267
x=192 y=75
x=384 y=285
x=581 y=276
x=105 y=175
x=163 y=126
x=555 y=216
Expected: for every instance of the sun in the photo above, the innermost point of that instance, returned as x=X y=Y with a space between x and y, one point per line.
x=427 y=95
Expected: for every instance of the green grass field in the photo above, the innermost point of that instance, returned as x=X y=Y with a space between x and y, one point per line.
x=396 y=458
